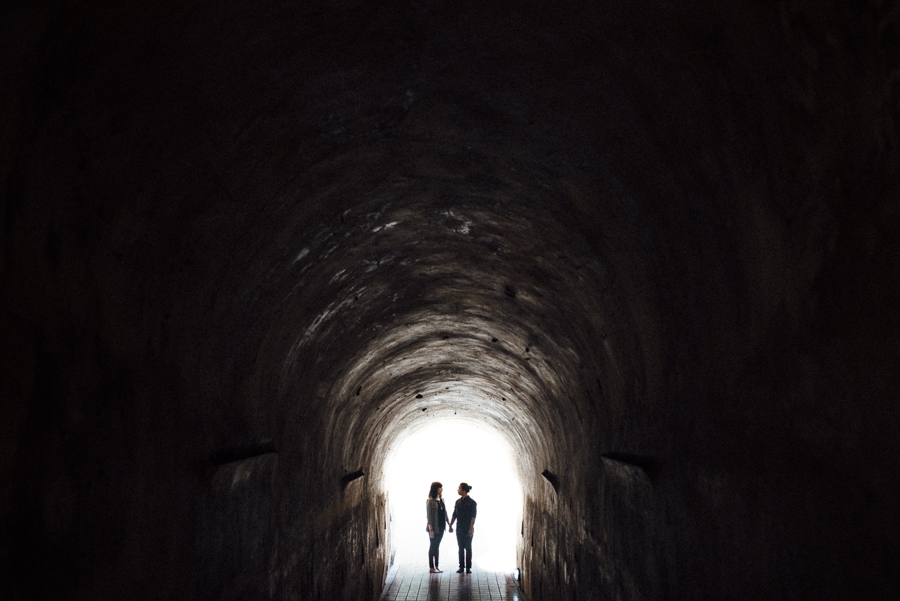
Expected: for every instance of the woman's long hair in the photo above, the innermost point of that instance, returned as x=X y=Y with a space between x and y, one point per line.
x=433 y=494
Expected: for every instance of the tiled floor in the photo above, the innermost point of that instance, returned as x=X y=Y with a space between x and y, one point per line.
x=415 y=583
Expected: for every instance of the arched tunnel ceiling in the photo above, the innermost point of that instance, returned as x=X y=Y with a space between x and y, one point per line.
x=337 y=204
x=474 y=303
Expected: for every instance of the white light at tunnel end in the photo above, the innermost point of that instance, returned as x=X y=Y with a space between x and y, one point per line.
x=454 y=451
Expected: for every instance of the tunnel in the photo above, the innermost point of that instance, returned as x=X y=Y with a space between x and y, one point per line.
x=250 y=248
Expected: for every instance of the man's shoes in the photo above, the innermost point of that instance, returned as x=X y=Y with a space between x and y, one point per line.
x=431 y=570
x=437 y=571
x=468 y=571
x=460 y=571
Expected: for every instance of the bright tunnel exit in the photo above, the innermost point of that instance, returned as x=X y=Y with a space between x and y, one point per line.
x=451 y=452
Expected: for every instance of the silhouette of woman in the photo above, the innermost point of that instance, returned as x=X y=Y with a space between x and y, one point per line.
x=437 y=519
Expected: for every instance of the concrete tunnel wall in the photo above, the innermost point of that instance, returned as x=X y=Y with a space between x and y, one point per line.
x=653 y=246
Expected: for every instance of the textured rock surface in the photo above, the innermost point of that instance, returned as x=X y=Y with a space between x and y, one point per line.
x=247 y=248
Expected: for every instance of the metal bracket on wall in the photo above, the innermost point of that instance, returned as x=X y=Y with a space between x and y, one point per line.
x=552 y=479
x=648 y=465
x=242 y=452
x=348 y=478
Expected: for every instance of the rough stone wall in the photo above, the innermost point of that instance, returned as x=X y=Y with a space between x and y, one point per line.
x=246 y=249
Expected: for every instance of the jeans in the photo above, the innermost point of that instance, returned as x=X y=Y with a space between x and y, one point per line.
x=465 y=548
x=434 y=550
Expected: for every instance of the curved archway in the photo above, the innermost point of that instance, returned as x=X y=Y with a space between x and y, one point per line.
x=453 y=451
x=467 y=312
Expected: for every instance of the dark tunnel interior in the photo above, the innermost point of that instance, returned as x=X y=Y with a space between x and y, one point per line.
x=247 y=249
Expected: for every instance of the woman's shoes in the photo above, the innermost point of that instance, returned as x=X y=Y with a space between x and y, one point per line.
x=435 y=571
x=432 y=570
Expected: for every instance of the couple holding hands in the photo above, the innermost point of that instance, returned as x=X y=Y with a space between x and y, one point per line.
x=464 y=511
